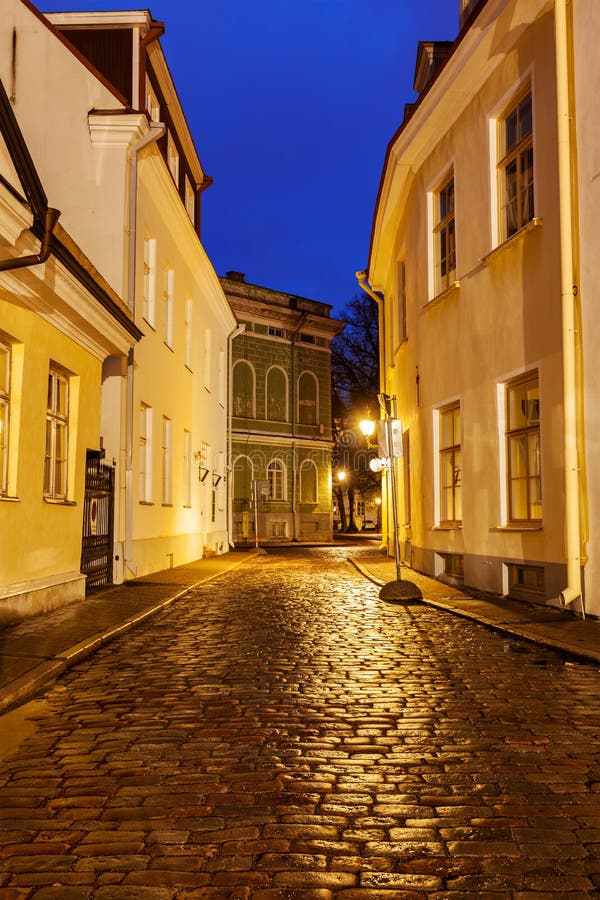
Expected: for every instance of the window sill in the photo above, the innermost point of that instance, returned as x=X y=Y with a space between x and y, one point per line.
x=512 y=241
x=518 y=526
x=146 y=503
x=450 y=527
x=168 y=505
x=7 y=499
x=454 y=288
x=149 y=323
x=58 y=501
x=169 y=346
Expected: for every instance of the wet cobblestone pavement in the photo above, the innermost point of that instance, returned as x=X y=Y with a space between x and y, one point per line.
x=283 y=733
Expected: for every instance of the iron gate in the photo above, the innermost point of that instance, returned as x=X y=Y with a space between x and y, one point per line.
x=97 y=544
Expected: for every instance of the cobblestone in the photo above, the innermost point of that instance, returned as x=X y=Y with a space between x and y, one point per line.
x=282 y=734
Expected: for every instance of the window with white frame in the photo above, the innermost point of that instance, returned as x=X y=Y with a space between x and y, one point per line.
x=187 y=468
x=444 y=236
x=166 y=456
x=149 y=289
x=207 y=359
x=523 y=449
x=276 y=479
x=5 y=375
x=152 y=104
x=450 y=465
x=168 y=305
x=145 y=454
x=173 y=158
x=515 y=167
x=190 y=200
x=189 y=309
x=57 y=435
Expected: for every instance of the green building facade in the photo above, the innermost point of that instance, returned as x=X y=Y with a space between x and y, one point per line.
x=280 y=402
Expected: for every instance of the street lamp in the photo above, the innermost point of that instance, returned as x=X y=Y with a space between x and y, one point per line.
x=398 y=589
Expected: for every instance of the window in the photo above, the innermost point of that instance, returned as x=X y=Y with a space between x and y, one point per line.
x=190 y=200
x=307 y=338
x=526 y=578
x=450 y=465
x=222 y=377
x=173 y=158
x=276 y=395
x=152 y=104
x=275 y=332
x=168 y=305
x=243 y=474
x=243 y=390
x=523 y=449
x=515 y=168
x=57 y=435
x=189 y=308
x=5 y=372
x=187 y=468
x=149 y=297
x=444 y=236
x=166 y=461
x=401 y=334
x=207 y=359
x=276 y=478
x=308 y=482
x=145 y=453
x=453 y=564
x=307 y=399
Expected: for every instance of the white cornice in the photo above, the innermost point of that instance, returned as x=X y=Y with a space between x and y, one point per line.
x=117 y=130
x=120 y=19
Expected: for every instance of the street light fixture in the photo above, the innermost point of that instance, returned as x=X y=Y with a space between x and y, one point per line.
x=399 y=589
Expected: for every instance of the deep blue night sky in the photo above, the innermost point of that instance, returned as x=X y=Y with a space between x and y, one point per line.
x=291 y=104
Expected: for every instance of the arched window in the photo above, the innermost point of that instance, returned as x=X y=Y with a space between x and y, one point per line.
x=277 y=480
x=243 y=473
x=308 y=482
x=308 y=399
x=276 y=395
x=243 y=390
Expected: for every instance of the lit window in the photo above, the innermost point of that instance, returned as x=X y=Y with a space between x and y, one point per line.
x=444 y=236
x=276 y=478
x=5 y=369
x=401 y=333
x=190 y=200
x=173 y=158
x=187 y=468
x=168 y=305
x=57 y=435
x=523 y=449
x=450 y=465
x=149 y=296
x=222 y=371
x=515 y=168
x=145 y=454
x=166 y=460
x=207 y=359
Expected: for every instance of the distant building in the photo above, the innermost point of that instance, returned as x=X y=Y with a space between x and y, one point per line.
x=484 y=248
x=281 y=426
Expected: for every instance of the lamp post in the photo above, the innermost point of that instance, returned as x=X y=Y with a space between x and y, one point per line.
x=399 y=589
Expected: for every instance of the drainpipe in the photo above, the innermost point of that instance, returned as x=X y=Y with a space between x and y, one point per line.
x=157 y=129
x=361 y=277
x=569 y=290
x=294 y=405
x=234 y=334
x=34 y=259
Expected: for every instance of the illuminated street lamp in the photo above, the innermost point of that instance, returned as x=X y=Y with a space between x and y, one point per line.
x=398 y=589
x=341 y=475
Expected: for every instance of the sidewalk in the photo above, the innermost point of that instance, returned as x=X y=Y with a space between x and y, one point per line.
x=36 y=651
x=544 y=625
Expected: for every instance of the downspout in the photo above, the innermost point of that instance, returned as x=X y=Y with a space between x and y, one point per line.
x=361 y=277
x=230 y=338
x=34 y=259
x=157 y=129
x=294 y=405
x=569 y=290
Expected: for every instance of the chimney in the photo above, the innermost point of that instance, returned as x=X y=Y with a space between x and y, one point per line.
x=465 y=8
x=236 y=276
x=430 y=56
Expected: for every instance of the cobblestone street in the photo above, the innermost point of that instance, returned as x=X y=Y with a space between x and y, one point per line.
x=283 y=733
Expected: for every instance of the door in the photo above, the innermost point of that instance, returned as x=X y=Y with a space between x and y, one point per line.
x=97 y=543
